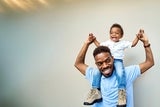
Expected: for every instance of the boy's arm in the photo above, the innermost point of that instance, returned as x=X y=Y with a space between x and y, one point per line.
x=95 y=40
x=135 y=41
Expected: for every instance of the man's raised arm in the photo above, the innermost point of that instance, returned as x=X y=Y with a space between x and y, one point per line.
x=80 y=60
x=149 y=60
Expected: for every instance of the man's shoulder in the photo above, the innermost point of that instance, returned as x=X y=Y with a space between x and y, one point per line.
x=90 y=70
x=132 y=67
x=132 y=72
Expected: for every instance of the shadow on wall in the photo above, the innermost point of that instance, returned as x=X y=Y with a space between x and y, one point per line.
x=7 y=98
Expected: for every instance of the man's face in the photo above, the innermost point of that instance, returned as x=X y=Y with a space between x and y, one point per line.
x=104 y=62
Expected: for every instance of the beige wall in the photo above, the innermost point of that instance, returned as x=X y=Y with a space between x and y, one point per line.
x=38 y=50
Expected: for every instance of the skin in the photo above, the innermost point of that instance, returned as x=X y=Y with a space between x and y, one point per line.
x=149 y=61
x=104 y=61
x=115 y=34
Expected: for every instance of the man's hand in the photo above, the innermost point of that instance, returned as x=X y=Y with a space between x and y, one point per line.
x=142 y=37
x=91 y=38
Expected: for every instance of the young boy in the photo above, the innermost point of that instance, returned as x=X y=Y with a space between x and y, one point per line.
x=117 y=47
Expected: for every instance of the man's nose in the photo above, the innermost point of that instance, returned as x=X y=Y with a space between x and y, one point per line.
x=105 y=65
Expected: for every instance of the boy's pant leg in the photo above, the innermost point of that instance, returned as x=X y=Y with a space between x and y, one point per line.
x=119 y=67
x=94 y=95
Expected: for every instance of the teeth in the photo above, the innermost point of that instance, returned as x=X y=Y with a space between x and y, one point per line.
x=107 y=70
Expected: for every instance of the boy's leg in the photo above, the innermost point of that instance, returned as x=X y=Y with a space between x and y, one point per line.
x=119 y=67
x=94 y=95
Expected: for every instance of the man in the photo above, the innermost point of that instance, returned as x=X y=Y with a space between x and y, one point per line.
x=104 y=61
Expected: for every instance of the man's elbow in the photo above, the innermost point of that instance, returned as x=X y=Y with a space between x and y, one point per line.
x=76 y=65
x=80 y=67
x=151 y=64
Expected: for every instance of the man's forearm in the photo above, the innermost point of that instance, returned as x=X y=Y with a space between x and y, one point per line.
x=149 y=61
x=82 y=53
x=149 y=55
x=80 y=60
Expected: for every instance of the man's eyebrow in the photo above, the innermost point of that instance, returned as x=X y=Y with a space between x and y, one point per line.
x=103 y=60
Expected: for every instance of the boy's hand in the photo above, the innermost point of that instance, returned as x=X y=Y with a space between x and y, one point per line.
x=91 y=38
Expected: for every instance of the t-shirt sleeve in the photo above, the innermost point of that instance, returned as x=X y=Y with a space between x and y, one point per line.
x=127 y=44
x=132 y=72
x=89 y=73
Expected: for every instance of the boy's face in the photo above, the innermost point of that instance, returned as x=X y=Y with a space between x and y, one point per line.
x=104 y=62
x=115 y=34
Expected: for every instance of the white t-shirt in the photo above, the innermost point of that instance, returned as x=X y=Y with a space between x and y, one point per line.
x=117 y=48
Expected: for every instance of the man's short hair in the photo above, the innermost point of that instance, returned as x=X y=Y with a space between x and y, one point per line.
x=101 y=49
